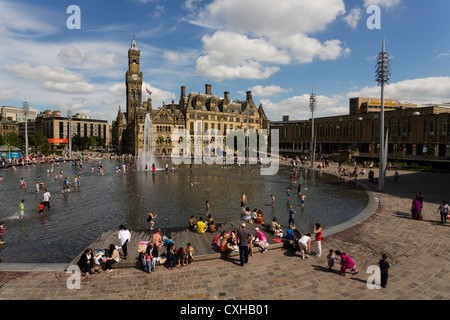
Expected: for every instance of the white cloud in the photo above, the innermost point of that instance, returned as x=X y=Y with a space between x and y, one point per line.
x=443 y=54
x=285 y=18
x=305 y=49
x=233 y=48
x=118 y=89
x=7 y=93
x=268 y=91
x=26 y=20
x=385 y=3
x=233 y=55
x=251 y=44
x=184 y=57
x=73 y=57
x=247 y=70
x=420 y=91
x=171 y=56
x=69 y=87
x=52 y=78
x=158 y=96
x=191 y=4
x=297 y=107
x=43 y=73
x=353 y=18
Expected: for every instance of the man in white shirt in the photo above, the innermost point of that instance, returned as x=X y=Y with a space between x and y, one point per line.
x=46 y=200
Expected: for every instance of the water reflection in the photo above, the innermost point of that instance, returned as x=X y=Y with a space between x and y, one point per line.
x=103 y=202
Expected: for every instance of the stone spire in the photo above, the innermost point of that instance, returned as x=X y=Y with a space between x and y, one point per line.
x=133 y=44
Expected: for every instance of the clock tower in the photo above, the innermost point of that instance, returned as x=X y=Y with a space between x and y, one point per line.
x=133 y=80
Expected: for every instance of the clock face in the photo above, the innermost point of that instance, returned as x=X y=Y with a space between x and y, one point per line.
x=134 y=77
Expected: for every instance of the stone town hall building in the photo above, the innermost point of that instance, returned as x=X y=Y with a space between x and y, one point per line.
x=214 y=112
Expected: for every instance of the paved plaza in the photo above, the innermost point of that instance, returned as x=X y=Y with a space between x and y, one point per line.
x=417 y=250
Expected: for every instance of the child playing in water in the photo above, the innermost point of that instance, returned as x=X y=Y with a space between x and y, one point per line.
x=21 y=209
x=41 y=207
x=2 y=228
x=303 y=199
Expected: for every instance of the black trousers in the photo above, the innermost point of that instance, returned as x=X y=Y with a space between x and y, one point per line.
x=243 y=254
x=125 y=249
x=384 y=279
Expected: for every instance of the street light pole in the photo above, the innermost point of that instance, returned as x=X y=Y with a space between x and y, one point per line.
x=26 y=108
x=312 y=106
x=247 y=149
x=383 y=73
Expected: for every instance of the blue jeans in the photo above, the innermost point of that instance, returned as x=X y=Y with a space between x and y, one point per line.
x=148 y=266
x=243 y=254
x=170 y=260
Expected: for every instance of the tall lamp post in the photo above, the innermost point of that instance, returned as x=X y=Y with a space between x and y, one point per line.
x=382 y=76
x=312 y=106
x=26 y=108
x=69 y=117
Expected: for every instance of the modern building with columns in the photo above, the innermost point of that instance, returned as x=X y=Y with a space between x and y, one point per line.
x=411 y=130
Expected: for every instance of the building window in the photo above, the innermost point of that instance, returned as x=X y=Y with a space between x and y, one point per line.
x=61 y=130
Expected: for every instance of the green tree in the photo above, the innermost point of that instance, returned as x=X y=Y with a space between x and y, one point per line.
x=397 y=153
x=40 y=142
x=430 y=153
x=14 y=139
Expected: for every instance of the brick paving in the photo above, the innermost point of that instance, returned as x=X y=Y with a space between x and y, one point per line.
x=417 y=250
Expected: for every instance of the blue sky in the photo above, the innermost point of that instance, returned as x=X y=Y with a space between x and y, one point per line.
x=278 y=49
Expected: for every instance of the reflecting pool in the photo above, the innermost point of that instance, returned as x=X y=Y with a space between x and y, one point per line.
x=103 y=202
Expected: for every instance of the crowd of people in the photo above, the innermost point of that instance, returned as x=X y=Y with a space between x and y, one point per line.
x=241 y=240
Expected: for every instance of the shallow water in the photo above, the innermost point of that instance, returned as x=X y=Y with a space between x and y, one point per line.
x=102 y=203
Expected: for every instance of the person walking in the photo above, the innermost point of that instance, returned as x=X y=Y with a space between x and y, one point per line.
x=318 y=236
x=21 y=209
x=124 y=237
x=2 y=230
x=243 y=234
x=291 y=217
x=416 y=208
x=444 y=210
x=46 y=200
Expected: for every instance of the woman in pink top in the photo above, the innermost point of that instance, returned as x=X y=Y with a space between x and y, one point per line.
x=261 y=240
x=346 y=263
